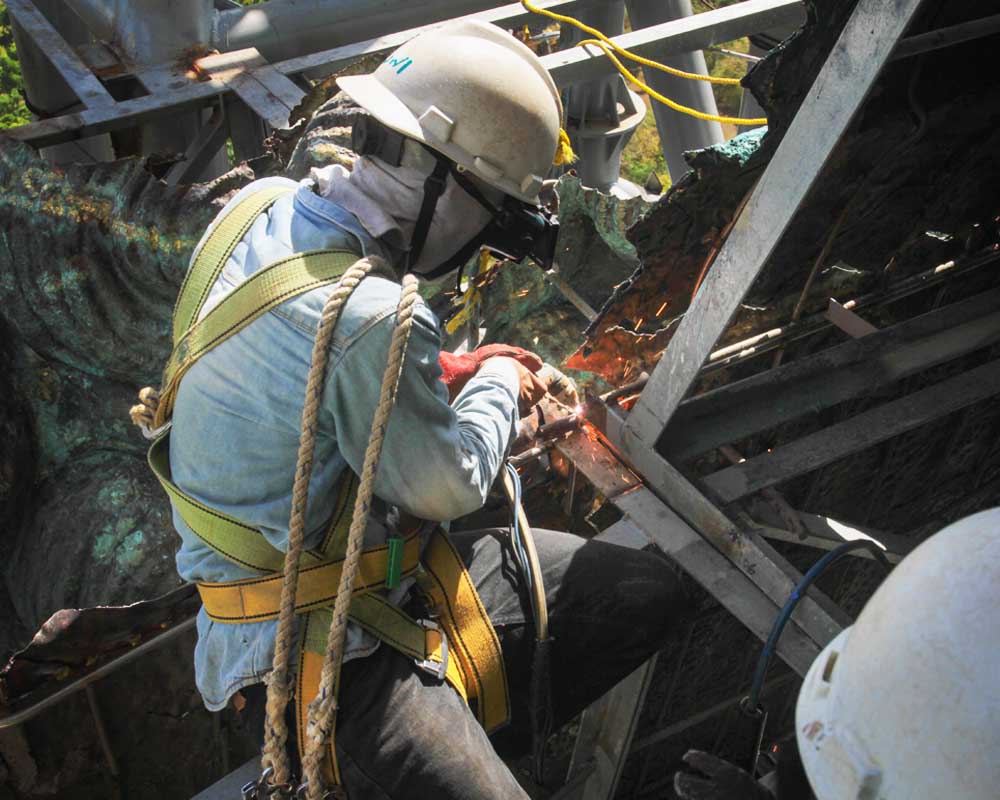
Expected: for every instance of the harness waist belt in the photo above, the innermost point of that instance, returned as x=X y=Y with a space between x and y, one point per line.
x=258 y=599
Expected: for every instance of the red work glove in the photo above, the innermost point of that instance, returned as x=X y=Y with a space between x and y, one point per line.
x=457 y=369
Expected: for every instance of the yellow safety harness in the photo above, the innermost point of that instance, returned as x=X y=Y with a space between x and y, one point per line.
x=460 y=646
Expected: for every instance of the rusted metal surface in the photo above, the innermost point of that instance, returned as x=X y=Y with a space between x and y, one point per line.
x=75 y=647
x=905 y=130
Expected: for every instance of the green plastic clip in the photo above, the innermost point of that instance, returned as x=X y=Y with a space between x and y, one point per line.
x=394 y=568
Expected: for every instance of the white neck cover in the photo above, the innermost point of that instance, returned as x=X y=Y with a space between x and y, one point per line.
x=386 y=200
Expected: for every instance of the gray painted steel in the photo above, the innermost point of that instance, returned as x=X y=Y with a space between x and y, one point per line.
x=601 y=114
x=228 y=788
x=678 y=132
x=816 y=616
x=857 y=433
x=46 y=89
x=566 y=67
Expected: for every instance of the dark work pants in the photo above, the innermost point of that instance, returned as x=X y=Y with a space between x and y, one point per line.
x=403 y=734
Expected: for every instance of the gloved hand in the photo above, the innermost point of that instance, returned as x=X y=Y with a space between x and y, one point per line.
x=725 y=781
x=531 y=388
x=560 y=386
x=457 y=369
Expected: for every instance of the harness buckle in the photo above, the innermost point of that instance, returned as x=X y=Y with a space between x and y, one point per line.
x=262 y=789
x=436 y=668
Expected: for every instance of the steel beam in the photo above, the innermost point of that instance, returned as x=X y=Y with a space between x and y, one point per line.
x=605 y=735
x=581 y=64
x=947 y=37
x=756 y=560
x=731 y=587
x=842 y=85
x=857 y=433
x=77 y=75
x=47 y=91
x=761 y=402
x=271 y=94
x=826 y=533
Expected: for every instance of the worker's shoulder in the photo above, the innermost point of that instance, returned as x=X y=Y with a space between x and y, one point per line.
x=373 y=304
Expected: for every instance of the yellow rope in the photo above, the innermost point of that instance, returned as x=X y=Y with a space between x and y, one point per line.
x=610 y=48
x=564 y=150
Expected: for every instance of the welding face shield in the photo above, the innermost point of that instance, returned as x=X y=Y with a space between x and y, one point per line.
x=517 y=229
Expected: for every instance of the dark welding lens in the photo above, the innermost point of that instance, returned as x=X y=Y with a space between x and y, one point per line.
x=369 y=137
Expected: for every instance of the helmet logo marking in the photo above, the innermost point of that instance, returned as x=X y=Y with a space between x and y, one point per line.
x=400 y=62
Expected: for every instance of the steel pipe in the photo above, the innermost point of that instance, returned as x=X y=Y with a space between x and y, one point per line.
x=282 y=29
x=148 y=31
x=12 y=718
x=678 y=132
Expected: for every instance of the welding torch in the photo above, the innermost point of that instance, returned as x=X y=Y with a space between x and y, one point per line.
x=548 y=434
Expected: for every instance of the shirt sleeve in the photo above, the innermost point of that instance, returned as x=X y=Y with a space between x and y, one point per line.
x=438 y=460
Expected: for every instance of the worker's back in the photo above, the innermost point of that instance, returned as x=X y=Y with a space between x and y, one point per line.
x=237 y=415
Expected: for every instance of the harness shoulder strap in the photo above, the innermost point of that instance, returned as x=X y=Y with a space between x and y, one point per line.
x=235 y=541
x=261 y=292
x=214 y=253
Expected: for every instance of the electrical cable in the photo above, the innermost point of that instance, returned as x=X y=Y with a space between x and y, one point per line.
x=524 y=548
x=608 y=45
x=752 y=701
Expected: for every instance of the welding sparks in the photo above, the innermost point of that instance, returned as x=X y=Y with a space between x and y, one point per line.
x=661 y=310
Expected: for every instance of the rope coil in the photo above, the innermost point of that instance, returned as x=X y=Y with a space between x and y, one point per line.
x=322 y=710
x=275 y=754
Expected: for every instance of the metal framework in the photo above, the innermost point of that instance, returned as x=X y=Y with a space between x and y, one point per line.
x=267 y=87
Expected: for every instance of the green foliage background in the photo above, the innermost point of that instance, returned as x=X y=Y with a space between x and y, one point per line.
x=12 y=109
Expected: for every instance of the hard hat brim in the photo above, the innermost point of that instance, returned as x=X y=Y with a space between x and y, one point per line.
x=373 y=97
x=369 y=93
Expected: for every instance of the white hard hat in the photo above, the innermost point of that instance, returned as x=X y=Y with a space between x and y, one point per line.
x=473 y=92
x=906 y=702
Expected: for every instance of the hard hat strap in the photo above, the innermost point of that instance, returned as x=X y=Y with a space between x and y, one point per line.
x=433 y=189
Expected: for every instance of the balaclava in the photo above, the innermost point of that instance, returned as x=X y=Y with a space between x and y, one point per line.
x=387 y=200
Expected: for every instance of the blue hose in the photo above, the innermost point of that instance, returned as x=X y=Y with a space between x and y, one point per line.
x=753 y=701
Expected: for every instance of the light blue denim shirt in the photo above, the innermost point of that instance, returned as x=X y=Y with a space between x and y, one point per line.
x=236 y=423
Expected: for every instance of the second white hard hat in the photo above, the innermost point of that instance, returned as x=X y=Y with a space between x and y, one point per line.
x=905 y=704
x=474 y=93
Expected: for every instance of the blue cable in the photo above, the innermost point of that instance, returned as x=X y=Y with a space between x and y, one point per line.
x=753 y=705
